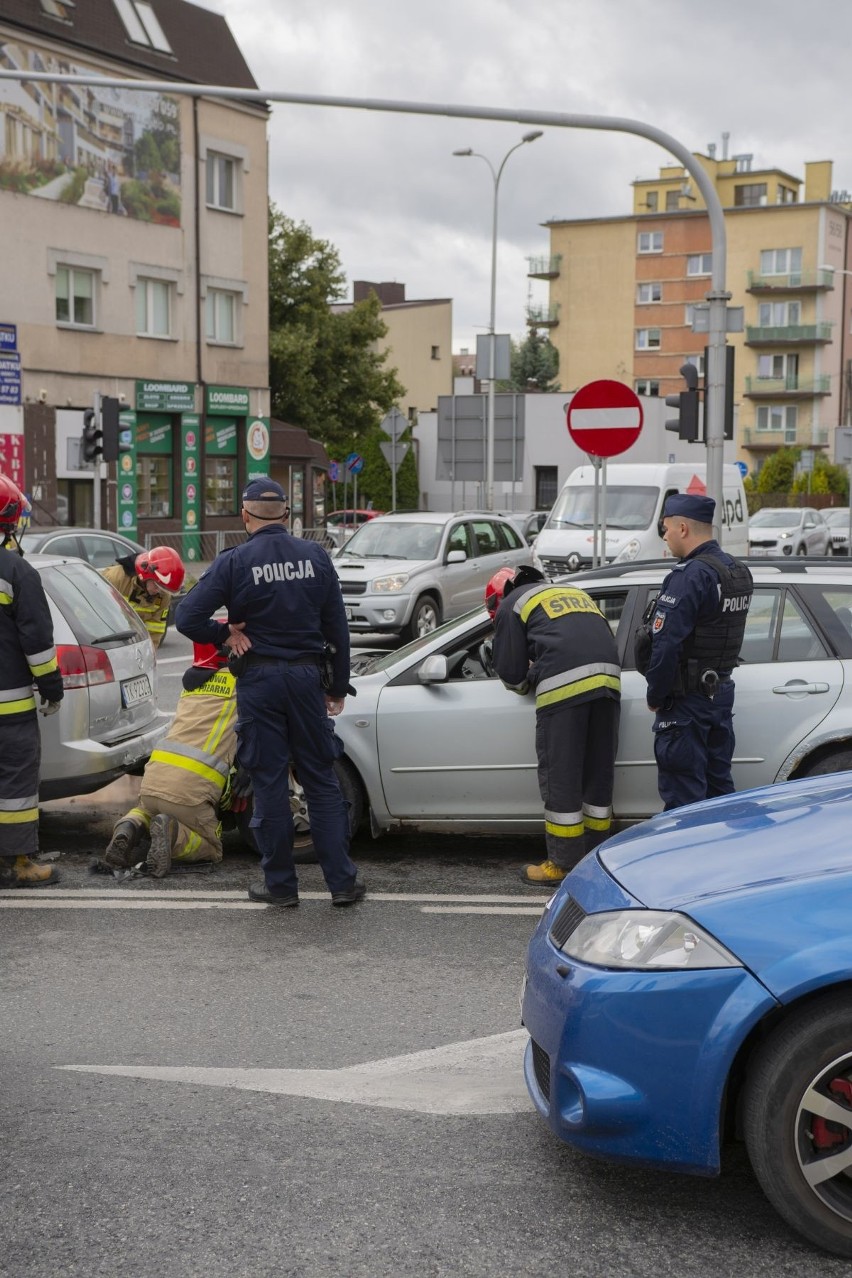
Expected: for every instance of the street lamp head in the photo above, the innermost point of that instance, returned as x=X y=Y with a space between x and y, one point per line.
x=531 y=137
x=467 y=151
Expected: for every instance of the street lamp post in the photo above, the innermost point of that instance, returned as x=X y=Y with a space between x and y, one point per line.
x=492 y=341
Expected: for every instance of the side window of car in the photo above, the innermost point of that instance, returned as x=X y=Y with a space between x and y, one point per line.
x=486 y=537
x=459 y=539
x=761 y=625
x=101 y=552
x=63 y=546
x=509 y=539
x=798 y=641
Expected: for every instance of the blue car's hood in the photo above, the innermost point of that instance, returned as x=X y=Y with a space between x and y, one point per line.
x=779 y=833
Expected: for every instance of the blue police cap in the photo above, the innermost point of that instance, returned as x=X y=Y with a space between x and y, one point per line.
x=263 y=489
x=701 y=509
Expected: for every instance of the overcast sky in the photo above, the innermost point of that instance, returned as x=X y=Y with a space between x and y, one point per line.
x=386 y=189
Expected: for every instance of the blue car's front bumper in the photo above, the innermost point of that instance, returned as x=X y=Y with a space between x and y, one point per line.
x=632 y=1065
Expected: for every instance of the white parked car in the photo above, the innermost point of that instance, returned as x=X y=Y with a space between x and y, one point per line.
x=788 y=531
x=838 y=524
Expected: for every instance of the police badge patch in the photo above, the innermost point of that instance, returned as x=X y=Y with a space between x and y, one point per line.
x=658 y=623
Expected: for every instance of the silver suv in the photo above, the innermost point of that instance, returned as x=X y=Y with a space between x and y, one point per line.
x=405 y=574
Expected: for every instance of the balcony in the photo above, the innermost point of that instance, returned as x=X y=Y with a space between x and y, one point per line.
x=770 y=441
x=788 y=335
x=796 y=282
x=544 y=268
x=543 y=316
x=786 y=387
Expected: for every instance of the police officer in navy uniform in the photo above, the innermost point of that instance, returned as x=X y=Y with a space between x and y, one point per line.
x=284 y=605
x=696 y=631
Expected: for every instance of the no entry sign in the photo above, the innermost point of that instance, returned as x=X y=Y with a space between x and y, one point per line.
x=605 y=418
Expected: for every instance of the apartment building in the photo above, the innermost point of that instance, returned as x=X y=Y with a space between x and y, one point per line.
x=623 y=292
x=135 y=265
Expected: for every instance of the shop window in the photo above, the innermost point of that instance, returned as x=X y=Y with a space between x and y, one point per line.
x=220 y=485
x=154 y=486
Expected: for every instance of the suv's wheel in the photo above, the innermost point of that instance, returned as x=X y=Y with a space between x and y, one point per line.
x=801 y=549
x=425 y=618
x=839 y=760
x=303 y=844
x=797 y=1111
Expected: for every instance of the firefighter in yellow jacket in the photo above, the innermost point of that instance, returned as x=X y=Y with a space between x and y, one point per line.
x=183 y=782
x=148 y=581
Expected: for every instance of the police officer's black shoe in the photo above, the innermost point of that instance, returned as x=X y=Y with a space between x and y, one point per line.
x=260 y=892
x=357 y=892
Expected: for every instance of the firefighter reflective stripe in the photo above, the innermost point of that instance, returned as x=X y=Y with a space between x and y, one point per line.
x=223 y=722
x=42 y=663
x=139 y=816
x=192 y=760
x=556 y=601
x=19 y=811
x=596 y=818
x=577 y=681
x=7 y=591
x=16 y=700
x=564 y=825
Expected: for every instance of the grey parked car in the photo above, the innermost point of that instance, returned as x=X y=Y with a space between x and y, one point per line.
x=434 y=741
x=108 y=721
x=404 y=574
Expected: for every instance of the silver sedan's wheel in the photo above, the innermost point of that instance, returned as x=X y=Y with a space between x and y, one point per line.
x=797 y=1109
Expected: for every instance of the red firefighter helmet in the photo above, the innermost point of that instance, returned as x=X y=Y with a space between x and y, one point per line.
x=206 y=656
x=163 y=565
x=13 y=506
x=496 y=589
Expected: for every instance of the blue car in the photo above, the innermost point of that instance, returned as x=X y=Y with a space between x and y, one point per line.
x=691 y=982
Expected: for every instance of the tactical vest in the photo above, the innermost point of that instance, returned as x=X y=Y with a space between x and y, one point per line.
x=715 y=644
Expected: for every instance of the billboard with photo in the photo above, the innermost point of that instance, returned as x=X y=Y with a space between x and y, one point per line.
x=113 y=150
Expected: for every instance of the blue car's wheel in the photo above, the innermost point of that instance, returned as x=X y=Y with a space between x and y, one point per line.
x=797 y=1110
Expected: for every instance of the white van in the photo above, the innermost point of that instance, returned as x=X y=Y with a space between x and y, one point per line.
x=635 y=495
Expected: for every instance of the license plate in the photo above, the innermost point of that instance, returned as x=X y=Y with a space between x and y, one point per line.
x=135 y=690
x=348 y=613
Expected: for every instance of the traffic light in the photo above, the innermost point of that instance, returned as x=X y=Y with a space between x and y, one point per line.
x=109 y=428
x=686 y=403
x=729 y=392
x=92 y=437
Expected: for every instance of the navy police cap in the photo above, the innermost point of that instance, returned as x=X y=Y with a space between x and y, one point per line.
x=701 y=509
x=264 y=489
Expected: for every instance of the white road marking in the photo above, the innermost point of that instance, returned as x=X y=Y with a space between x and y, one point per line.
x=481 y=909
x=483 y=1076
x=140 y=898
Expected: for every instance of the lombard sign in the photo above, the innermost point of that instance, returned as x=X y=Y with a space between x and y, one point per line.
x=165 y=397
x=227 y=401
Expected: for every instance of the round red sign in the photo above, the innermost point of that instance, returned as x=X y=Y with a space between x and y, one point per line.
x=605 y=418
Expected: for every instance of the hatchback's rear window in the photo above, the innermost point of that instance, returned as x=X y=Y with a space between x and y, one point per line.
x=90 y=605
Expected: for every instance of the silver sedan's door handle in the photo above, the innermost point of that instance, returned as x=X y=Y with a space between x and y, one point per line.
x=796 y=686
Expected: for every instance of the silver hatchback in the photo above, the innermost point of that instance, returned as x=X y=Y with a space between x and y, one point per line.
x=108 y=721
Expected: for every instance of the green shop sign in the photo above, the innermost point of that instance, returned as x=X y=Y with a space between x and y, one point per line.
x=126 y=475
x=165 y=397
x=257 y=447
x=191 y=482
x=227 y=401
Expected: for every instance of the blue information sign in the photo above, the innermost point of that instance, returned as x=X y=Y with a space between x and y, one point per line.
x=333 y=471
x=742 y=468
x=8 y=337
x=10 y=379
x=354 y=463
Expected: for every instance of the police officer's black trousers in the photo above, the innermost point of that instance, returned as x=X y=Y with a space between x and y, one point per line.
x=693 y=746
x=576 y=747
x=282 y=718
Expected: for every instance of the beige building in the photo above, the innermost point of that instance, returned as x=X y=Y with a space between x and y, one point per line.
x=135 y=265
x=623 y=292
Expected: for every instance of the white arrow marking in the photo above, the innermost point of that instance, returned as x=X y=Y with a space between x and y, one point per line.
x=483 y=1076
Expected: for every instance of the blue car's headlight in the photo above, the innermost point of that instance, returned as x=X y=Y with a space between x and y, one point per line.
x=645 y=939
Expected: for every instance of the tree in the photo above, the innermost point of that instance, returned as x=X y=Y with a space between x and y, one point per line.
x=778 y=475
x=534 y=364
x=326 y=373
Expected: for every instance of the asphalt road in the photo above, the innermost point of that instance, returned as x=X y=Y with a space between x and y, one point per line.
x=195 y=1085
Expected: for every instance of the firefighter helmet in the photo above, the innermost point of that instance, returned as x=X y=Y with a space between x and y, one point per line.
x=497 y=588
x=13 y=507
x=207 y=656
x=163 y=565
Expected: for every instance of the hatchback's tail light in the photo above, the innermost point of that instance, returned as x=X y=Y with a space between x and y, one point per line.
x=82 y=667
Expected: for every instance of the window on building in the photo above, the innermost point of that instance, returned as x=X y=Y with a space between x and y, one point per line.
x=689 y=314
x=779 y=368
x=220 y=313
x=649 y=242
x=436 y=352
x=699 y=264
x=546 y=486
x=651 y=292
x=142 y=25
x=778 y=417
x=779 y=314
x=785 y=195
x=220 y=485
x=750 y=195
x=672 y=200
x=786 y=261
x=646 y=386
x=651 y=201
x=154 y=486
x=75 y=296
x=647 y=339
x=58 y=9
x=153 y=308
x=222 y=174
x=697 y=361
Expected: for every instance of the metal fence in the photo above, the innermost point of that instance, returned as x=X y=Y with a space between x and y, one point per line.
x=197 y=549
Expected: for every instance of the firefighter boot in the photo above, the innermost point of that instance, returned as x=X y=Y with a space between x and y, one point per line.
x=164 y=832
x=119 y=853
x=26 y=873
x=544 y=875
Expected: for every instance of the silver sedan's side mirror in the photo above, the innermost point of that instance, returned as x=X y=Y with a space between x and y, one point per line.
x=434 y=669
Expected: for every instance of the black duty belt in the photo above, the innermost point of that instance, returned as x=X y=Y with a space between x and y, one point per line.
x=254 y=658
